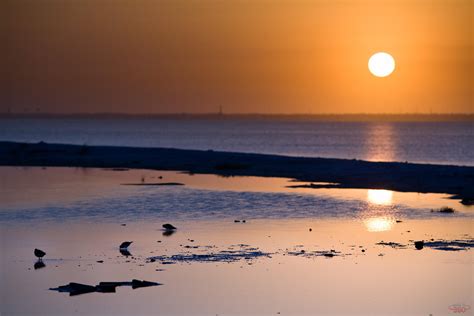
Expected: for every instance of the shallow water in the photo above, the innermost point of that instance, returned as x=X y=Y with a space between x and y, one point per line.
x=432 y=142
x=62 y=194
x=77 y=217
x=381 y=280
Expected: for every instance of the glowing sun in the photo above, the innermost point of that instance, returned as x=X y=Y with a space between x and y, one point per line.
x=381 y=64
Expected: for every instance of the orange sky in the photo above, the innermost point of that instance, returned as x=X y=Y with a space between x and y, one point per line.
x=271 y=56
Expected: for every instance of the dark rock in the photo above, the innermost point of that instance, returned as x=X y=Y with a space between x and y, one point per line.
x=419 y=244
x=100 y=261
x=467 y=201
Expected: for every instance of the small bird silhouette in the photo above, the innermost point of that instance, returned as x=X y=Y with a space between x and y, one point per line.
x=125 y=244
x=39 y=253
x=169 y=227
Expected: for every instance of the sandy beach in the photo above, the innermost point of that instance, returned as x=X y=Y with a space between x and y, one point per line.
x=341 y=173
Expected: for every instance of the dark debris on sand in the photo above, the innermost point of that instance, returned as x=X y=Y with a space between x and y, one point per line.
x=450 y=245
x=446 y=210
x=155 y=184
x=232 y=254
x=317 y=253
x=445 y=245
x=103 y=287
x=391 y=244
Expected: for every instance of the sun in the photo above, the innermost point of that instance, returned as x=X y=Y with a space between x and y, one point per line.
x=381 y=64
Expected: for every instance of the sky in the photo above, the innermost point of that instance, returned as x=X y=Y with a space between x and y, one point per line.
x=254 y=56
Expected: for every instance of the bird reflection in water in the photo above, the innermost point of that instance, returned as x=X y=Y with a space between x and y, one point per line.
x=39 y=264
x=125 y=252
x=168 y=233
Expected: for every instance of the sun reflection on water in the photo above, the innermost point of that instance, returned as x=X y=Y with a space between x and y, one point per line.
x=380 y=197
x=379 y=224
x=379 y=216
x=381 y=142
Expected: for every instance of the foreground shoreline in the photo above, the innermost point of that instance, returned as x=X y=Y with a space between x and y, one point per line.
x=340 y=173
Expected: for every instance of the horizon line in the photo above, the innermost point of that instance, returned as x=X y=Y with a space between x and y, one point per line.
x=335 y=117
x=234 y=114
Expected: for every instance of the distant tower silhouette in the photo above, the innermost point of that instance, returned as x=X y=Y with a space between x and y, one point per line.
x=221 y=112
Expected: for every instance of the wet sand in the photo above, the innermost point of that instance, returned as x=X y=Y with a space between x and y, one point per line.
x=406 y=177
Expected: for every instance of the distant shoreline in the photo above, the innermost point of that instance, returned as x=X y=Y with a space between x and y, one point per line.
x=362 y=117
x=397 y=176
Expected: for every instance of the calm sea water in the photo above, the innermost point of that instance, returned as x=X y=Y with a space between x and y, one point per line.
x=427 y=142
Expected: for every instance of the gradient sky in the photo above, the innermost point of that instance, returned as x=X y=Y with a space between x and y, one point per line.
x=257 y=56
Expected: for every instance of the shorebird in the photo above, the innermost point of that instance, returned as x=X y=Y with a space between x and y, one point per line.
x=39 y=253
x=169 y=227
x=125 y=244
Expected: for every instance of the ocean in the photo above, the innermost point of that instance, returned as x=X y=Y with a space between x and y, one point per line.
x=447 y=142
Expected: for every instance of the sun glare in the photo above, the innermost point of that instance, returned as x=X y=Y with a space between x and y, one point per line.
x=381 y=64
x=380 y=197
x=379 y=224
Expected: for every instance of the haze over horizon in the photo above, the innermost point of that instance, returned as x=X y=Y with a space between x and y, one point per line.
x=278 y=57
